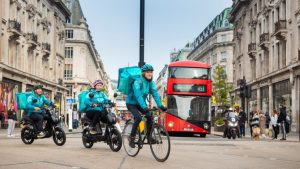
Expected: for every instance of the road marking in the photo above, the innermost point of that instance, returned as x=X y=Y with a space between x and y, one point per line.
x=122 y=162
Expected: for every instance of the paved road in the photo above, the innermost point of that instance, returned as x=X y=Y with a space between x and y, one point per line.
x=186 y=153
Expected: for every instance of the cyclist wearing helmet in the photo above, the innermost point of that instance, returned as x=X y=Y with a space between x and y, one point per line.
x=93 y=102
x=136 y=101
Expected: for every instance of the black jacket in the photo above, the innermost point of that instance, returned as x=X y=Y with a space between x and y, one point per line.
x=282 y=115
x=242 y=117
x=12 y=115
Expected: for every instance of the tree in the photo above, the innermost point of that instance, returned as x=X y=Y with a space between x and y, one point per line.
x=221 y=87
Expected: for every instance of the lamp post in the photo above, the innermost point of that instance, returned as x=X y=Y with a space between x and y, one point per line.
x=142 y=25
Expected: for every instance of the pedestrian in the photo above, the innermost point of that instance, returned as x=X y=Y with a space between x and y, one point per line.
x=242 y=121
x=12 y=118
x=62 y=121
x=274 y=118
x=268 y=120
x=282 y=120
x=262 y=124
x=254 y=124
x=1 y=118
x=251 y=114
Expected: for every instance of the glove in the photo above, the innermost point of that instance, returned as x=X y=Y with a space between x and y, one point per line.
x=147 y=110
x=91 y=95
x=163 y=108
x=36 y=108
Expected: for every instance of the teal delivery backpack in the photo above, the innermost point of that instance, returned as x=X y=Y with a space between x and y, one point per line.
x=126 y=77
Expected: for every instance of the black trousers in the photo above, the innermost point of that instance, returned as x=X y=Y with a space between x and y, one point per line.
x=38 y=120
x=95 y=116
x=276 y=130
x=242 y=129
x=136 y=111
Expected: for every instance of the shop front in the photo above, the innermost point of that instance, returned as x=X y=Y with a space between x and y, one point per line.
x=8 y=90
x=282 y=95
x=264 y=101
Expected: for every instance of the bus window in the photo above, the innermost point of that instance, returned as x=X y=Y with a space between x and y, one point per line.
x=189 y=107
x=189 y=73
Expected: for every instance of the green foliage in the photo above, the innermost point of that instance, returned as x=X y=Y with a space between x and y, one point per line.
x=221 y=87
x=219 y=122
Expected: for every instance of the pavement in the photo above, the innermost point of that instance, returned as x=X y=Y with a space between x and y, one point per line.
x=292 y=136
x=186 y=153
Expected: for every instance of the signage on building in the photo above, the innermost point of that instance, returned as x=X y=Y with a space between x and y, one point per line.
x=70 y=100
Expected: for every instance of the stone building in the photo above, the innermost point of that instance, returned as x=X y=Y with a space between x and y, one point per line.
x=214 y=44
x=83 y=64
x=32 y=48
x=267 y=54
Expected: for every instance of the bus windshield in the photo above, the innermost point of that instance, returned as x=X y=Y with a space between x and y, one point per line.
x=189 y=73
x=189 y=107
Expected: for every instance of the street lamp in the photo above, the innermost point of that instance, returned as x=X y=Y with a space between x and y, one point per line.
x=142 y=25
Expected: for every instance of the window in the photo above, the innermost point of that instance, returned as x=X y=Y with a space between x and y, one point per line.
x=69 y=34
x=226 y=23
x=189 y=73
x=69 y=4
x=68 y=74
x=69 y=52
x=223 y=56
x=68 y=20
x=223 y=38
x=69 y=92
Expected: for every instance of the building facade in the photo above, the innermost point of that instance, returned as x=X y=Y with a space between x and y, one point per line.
x=267 y=54
x=180 y=54
x=31 y=49
x=214 y=44
x=83 y=64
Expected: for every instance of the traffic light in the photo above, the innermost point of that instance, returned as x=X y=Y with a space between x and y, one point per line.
x=74 y=107
x=243 y=88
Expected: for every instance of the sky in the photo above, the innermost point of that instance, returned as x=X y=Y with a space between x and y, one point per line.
x=169 y=25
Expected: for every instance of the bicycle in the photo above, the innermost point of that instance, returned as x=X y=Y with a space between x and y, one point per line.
x=158 y=133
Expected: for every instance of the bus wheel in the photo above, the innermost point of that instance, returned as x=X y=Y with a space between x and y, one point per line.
x=202 y=135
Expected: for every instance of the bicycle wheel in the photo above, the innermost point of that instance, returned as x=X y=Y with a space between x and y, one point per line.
x=125 y=139
x=161 y=149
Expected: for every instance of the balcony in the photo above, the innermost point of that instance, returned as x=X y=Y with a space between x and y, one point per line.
x=32 y=39
x=46 y=47
x=60 y=81
x=14 y=29
x=264 y=41
x=252 y=49
x=280 y=29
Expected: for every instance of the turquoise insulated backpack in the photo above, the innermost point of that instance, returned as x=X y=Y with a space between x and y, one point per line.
x=81 y=98
x=22 y=99
x=127 y=75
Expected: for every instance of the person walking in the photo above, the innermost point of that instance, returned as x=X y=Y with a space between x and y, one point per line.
x=274 y=118
x=262 y=124
x=62 y=121
x=282 y=120
x=12 y=118
x=242 y=121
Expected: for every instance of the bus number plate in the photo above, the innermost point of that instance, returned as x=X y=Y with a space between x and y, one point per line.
x=188 y=129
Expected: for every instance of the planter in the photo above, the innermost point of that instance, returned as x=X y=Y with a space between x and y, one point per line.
x=219 y=128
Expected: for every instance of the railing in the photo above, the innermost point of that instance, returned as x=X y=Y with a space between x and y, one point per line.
x=281 y=24
x=32 y=37
x=13 y=24
x=264 y=37
x=251 y=47
x=46 y=46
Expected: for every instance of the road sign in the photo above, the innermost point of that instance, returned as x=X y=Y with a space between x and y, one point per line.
x=70 y=100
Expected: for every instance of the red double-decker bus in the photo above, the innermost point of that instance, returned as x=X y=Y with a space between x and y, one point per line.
x=188 y=95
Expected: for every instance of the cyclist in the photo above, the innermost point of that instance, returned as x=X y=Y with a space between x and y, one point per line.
x=136 y=101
